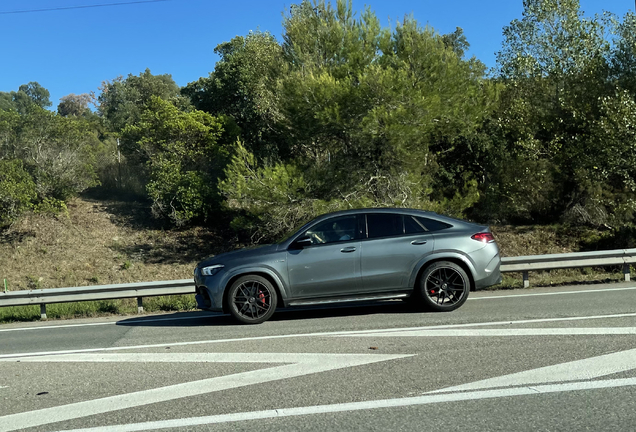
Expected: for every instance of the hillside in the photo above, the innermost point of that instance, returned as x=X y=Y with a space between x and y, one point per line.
x=99 y=242
x=108 y=241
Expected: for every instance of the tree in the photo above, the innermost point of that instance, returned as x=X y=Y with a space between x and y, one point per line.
x=561 y=98
x=58 y=152
x=27 y=95
x=553 y=39
x=122 y=100
x=74 y=105
x=368 y=114
x=623 y=57
x=6 y=101
x=185 y=157
x=242 y=87
x=38 y=94
x=365 y=103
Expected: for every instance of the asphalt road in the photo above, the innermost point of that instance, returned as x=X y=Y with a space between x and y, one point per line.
x=558 y=359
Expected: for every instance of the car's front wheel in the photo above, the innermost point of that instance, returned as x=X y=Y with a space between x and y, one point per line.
x=252 y=299
x=444 y=286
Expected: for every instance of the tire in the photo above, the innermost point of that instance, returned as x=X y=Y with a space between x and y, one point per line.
x=252 y=299
x=443 y=286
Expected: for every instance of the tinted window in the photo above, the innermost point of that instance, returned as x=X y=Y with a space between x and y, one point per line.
x=414 y=224
x=384 y=225
x=333 y=230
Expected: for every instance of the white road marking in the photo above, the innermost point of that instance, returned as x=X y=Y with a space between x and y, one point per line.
x=559 y=331
x=366 y=405
x=325 y=334
x=577 y=370
x=141 y=321
x=294 y=365
x=551 y=293
x=130 y=322
x=313 y=363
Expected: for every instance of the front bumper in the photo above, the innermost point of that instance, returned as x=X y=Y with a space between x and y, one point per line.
x=209 y=292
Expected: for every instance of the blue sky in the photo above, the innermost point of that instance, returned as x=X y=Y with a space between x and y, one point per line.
x=74 y=50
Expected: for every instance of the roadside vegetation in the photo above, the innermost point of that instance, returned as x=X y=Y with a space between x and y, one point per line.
x=338 y=113
x=105 y=241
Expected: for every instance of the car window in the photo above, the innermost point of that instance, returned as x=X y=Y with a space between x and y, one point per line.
x=384 y=225
x=333 y=230
x=415 y=224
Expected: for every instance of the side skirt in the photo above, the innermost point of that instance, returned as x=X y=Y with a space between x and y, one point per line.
x=348 y=299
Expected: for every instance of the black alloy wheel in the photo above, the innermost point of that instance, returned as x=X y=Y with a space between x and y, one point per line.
x=252 y=299
x=444 y=286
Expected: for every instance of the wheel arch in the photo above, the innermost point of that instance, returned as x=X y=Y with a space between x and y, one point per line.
x=271 y=278
x=456 y=259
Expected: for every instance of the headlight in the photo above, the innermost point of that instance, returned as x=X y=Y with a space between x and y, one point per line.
x=211 y=270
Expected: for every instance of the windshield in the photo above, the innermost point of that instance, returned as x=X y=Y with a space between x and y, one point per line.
x=284 y=237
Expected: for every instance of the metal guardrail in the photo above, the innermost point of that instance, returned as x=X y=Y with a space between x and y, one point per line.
x=96 y=292
x=523 y=264
x=526 y=264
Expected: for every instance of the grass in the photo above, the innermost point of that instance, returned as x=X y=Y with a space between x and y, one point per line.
x=102 y=241
x=97 y=308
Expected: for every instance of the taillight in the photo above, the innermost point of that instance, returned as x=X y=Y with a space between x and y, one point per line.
x=484 y=237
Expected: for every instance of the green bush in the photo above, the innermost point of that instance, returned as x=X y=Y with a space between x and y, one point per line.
x=183 y=159
x=17 y=191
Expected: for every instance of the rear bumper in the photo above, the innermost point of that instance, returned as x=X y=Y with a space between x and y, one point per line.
x=492 y=274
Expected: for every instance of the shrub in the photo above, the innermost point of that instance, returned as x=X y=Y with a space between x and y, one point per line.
x=17 y=191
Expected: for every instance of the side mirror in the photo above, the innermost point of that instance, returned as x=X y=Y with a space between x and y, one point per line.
x=303 y=242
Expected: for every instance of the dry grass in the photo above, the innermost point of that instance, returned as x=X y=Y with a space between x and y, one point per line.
x=100 y=242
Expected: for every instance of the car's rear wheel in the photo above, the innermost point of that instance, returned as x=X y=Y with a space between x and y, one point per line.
x=444 y=286
x=252 y=299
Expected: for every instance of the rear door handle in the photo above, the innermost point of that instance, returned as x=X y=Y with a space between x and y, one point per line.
x=348 y=249
x=418 y=242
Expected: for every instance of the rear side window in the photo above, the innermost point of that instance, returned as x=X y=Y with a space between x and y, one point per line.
x=416 y=224
x=384 y=225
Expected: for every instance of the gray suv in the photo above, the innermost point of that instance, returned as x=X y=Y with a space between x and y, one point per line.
x=354 y=255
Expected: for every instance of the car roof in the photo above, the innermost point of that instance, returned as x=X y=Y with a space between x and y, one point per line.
x=398 y=210
x=394 y=210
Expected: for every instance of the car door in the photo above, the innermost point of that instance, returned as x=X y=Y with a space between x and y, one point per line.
x=394 y=245
x=330 y=266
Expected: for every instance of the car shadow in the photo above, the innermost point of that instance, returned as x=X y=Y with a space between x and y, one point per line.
x=201 y=318
x=180 y=319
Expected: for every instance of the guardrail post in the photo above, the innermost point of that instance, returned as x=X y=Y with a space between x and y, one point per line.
x=626 y=272
x=43 y=311
x=526 y=280
x=140 y=305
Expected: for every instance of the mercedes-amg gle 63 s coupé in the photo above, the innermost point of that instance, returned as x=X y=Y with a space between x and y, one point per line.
x=354 y=255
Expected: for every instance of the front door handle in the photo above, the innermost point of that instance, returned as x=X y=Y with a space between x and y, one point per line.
x=418 y=242
x=348 y=249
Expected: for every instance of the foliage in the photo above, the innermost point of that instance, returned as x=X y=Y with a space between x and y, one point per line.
x=122 y=100
x=17 y=191
x=562 y=133
x=242 y=87
x=26 y=96
x=56 y=151
x=74 y=105
x=343 y=112
x=184 y=158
